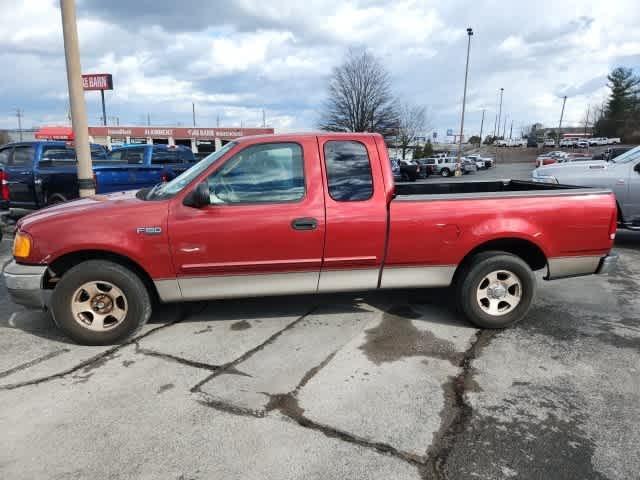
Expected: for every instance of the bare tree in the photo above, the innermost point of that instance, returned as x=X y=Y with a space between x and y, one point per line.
x=360 y=98
x=412 y=122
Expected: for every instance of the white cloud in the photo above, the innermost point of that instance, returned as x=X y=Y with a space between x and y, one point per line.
x=235 y=58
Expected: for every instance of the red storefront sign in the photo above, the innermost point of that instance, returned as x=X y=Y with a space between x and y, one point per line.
x=97 y=81
x=54 y=133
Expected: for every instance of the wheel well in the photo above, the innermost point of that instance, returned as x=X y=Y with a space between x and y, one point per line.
x=526 y=250
x=62 y=264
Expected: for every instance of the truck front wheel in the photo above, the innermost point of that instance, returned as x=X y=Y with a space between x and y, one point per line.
x=99 y=302
x=495 y=290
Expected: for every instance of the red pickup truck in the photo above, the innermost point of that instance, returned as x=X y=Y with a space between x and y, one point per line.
x=303 y=213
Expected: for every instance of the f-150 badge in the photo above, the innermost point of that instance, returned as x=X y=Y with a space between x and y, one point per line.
x=149 y=230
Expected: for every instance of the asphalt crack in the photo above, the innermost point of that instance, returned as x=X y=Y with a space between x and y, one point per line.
x=33 y=362
x=457 y=414
x=174 y=358
x=229 y=367
x=95 y=361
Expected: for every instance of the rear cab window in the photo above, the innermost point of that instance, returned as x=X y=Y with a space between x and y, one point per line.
x=348 y=168
x=22 y=156
x=163 y=157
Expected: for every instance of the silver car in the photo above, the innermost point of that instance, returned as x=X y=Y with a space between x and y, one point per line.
x=621 y=175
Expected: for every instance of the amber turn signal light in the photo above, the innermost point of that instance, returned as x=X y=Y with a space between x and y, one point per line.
x=21 y=245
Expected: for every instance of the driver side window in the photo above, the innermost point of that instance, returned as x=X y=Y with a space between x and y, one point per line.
x=271 y=172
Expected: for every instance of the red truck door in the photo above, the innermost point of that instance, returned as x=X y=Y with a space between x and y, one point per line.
x=356 y=213
x=263 y=234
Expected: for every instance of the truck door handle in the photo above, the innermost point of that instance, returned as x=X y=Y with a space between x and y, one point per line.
x=304 y=224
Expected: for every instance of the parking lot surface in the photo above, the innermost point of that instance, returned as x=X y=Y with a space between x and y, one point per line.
x=379 y=385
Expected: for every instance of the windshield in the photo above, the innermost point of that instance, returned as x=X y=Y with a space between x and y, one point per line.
x=633 y=154
x=169 y=189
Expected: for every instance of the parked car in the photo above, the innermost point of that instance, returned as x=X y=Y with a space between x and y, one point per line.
x=324 y=215
x=157 y=163
x=445 y=166
x=567 y=142
x=407 y=171
x=517 y=142
x=41 y=173
x=621 y=175
x=468 y=166
x=486 y=162
x=550 y=157
x=582 y=144
x=615 y=140
x=532 y=141
x=426 y=170
x=549 y=142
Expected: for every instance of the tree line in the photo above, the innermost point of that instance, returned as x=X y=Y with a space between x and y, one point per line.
x=621 y=115
x=360 y=99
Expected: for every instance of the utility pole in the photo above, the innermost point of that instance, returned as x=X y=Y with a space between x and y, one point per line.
x=193 y=111
x=481 y=125
x=464 y=101
x=218 y=121
x=504 y=128
x=19 y=114
x=500 y=111
x=564 y=100
x=86 y=185
x=264 y=119
x=511 y=130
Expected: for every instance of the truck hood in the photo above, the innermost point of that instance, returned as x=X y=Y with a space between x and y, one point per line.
x=97 y=204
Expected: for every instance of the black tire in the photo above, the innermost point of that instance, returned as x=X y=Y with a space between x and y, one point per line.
x=470 y=279
x=138 y=302
x=55 y=199
x=445 y=172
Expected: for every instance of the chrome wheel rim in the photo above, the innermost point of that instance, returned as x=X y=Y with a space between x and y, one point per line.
x=99 y=306
x=499 y=292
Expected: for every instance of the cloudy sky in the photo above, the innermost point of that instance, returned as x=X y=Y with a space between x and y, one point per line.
x=234 y=58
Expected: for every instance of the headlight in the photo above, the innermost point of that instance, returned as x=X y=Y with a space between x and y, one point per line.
x=22 y=245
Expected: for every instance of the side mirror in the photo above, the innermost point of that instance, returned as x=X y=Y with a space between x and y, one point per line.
x=199 y=197
x=637 y=167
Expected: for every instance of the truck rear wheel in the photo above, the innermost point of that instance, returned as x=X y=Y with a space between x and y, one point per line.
x=495 y=290
x=100 y=303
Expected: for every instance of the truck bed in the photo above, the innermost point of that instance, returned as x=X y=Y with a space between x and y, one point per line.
x=485 y=189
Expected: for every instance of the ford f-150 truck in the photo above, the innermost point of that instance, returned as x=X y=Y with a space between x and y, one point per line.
x=303 y=213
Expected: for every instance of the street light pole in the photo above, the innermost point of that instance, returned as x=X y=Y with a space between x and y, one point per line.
x=464 y=101
x=86 y=185
x=481 y=125
x=564 y=100
x=500 y=111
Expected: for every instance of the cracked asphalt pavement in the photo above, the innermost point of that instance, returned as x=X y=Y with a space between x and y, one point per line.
x=380 y=385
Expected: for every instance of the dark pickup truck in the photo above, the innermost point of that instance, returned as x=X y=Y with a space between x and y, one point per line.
x=41 y=173
x=154 y=163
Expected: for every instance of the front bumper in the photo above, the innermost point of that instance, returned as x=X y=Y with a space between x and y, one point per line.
x=24 y=284
x=608 y=264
